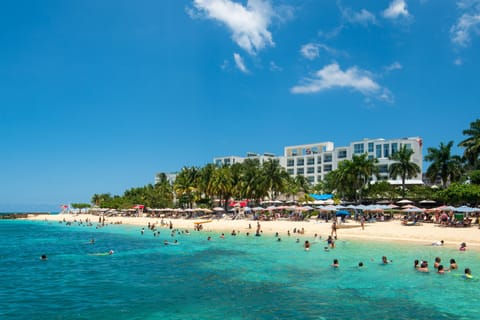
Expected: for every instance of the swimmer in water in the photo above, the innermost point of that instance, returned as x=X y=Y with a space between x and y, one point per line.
x=306 y=245
x=43 y=257
x=468 y=274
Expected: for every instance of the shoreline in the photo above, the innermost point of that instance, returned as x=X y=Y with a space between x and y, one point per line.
x=390 y=231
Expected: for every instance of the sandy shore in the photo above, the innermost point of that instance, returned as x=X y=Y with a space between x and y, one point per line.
x=378 y=231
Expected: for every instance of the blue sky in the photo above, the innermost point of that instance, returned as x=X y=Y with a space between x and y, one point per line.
x=98 y=96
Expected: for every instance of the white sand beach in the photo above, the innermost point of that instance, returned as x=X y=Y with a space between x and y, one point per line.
x=426 y=233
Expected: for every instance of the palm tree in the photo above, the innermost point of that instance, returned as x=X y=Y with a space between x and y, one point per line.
x=403 y=167
x=353 y=176
x=251 y=183
x=186 y=185
x=472 y=144
x=444 y=166
x=274 y=178
x=363 y=169
x=221 y=184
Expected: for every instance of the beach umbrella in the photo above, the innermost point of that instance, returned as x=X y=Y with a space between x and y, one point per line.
x=404 y=201
x=413 y=209
x=258 y=209
x=219 y=209
x=427 y=202
x=445 y=208
x=466 y=209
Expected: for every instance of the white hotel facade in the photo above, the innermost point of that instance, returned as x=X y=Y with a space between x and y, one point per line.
x=316 y=160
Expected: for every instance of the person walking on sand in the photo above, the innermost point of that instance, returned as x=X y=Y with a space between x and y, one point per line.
x=362 y=222
x=334 y=229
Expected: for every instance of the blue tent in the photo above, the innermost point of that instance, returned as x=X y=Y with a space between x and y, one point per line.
x=342 y=213
x=321 y=196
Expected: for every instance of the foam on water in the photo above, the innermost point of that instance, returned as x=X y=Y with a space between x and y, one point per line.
x=236 y=278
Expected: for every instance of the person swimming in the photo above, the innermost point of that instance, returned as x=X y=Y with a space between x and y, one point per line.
x=111 y=252
x=453 y=264
x=423 y=267
x=385 y=260
x=43 y=257
x=463 y=246
x=467 y=274
x=335 y=263
x=438 y=243
x=306 y=245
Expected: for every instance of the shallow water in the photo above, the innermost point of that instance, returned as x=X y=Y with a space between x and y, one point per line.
x=235 y=278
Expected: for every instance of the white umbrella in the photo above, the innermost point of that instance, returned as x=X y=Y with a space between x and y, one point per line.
x=218 y=209
x=404 y=201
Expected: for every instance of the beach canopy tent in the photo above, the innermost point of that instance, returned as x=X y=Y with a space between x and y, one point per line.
x=321 y=197
x=342 y=213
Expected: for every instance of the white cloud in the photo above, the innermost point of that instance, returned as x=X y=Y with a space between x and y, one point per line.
x=364 y=17
x=274 y=67
x=331 y=77
x=248 y=24
x=311 y=50
x=468 y=24
x=396 y=9
x=394 y=66
x=239 y=63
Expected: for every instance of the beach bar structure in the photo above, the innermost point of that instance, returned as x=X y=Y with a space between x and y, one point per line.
x=315 y=160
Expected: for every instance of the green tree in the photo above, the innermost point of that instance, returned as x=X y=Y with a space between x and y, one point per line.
x=472 y=144
x=403 y=167
x=274 y=178
x=186 y=186
x=222 y=184
x=443 y=165
x=352 y=177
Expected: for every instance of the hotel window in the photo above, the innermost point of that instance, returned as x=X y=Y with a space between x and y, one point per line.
x=319 y=159
x=370 y=157
x=370 y=147
x=378 y=151
x=310 y=170
x=327 y=157
x=383 y=168
x=342 y=154
x=227 y=162
x=408 y=146
x=386 y=148
x=300 y=162
x=290 y=163
x=358 y=148
x=218 y=162
x=290 y=172
x=319 y=169
x=311 y=180
x=319 y=178
x=394 y=148
x=310 y=161
x=327 y=168
x=300 y=171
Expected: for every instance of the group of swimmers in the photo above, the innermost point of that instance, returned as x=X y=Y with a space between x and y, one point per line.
x=422 y=266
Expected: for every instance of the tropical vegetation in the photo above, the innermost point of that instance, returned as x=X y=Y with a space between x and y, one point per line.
x=453 y=179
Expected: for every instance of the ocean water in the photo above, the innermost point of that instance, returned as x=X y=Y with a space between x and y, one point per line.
x=242 y=277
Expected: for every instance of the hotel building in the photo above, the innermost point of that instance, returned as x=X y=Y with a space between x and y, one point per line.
x=315 y=160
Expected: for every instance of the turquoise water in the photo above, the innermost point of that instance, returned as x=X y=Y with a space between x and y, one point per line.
x=233 y=278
